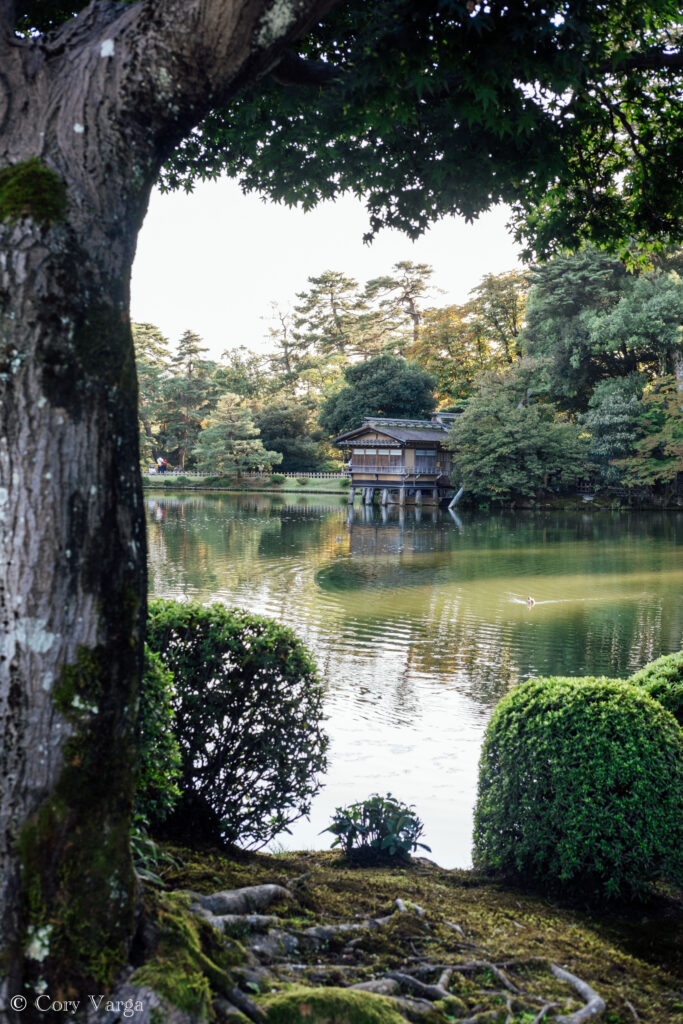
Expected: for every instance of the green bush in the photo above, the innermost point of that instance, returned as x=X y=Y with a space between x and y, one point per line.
x=345 y=481
x=663 y=680
x=302 y=481
x=581 y=786
x=156 y=790
x=377 y=829
x=248 y=719
x=277 y=478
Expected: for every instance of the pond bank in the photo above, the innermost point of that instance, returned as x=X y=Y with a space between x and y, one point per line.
x=545 y=503
x=489 y=944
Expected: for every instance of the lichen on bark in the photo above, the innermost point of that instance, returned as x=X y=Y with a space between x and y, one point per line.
x=30 y=189
x=76 y=866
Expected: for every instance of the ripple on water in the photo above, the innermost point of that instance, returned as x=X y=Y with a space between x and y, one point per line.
x=419 y=629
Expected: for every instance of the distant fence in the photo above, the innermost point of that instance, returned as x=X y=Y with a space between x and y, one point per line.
x=252 y=476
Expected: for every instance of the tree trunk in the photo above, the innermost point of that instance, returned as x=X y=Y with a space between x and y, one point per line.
x=73 y=597
x=87 y=117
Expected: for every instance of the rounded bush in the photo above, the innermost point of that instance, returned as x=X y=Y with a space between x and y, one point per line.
x=248 y=706
x=581 y=785
x=663 y=680
x=277 y=478
x=156 y=784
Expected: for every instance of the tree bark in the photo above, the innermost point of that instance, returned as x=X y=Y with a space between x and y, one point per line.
x=87 y=116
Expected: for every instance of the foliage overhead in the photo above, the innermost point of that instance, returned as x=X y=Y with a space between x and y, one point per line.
x=248 y=706
x=581 y=787
x=568 y=111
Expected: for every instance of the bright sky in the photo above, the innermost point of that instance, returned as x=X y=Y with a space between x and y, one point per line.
x=215 y=260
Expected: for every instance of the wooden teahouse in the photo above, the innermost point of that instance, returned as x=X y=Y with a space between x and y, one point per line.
x=406 y=460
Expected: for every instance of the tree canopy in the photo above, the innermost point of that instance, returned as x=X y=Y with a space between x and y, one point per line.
x=570 y=112
x=383 y=386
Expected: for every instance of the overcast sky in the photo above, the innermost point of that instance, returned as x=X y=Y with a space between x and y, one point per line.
x=215 y=260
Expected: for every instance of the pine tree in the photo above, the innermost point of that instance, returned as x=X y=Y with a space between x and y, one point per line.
x=229 y=444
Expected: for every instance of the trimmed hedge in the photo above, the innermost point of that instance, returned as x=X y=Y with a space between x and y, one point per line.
x=581 y=786
x=663 y=680
x=248 y=709
x=156 y=783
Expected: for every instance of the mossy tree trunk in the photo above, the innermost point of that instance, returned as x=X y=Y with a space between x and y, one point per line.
x=86 y=119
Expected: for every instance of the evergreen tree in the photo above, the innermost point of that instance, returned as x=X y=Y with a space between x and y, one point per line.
x=190 y=395
x=506 y=445
x=396 y=298
x=383 y=386
x=657 y=456
x=589 y=319
x=152 y=359
x=229 y=444
x=612 y=422
x=288 y=428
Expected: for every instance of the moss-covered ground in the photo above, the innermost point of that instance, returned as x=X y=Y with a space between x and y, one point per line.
x=631 y=955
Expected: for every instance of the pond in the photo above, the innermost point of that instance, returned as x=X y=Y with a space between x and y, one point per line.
x=419 y=623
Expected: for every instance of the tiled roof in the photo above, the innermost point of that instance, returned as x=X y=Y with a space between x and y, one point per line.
x=400 y=430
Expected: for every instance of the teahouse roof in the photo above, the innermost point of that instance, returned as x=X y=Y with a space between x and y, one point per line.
x=401 y=431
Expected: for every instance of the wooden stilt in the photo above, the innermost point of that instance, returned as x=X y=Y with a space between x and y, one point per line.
x=385 y=496
x=402 y=496
x=457 y=498
x=352 y=494
x=418 y=497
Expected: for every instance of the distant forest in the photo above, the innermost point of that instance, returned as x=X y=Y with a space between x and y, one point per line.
x=572 y=369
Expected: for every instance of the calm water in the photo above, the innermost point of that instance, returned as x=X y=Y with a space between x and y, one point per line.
x=420 y=625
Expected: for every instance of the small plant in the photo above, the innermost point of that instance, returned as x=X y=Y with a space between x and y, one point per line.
x=302 y=481
x=278 y=478
x=377 y=829
x=345 y=482
x=148 y=857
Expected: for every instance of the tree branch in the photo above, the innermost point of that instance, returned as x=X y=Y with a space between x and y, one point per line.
x=294 y=70
x=655 y=59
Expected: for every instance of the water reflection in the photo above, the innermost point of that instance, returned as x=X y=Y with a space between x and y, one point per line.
x=420 y=622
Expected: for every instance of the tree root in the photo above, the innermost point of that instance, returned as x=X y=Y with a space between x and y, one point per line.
x=594 y=1006
x=411 y=989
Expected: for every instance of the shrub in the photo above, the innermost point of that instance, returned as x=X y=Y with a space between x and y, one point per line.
x=581 y=785
x=377 y=829
x=278 y=478
x=345 y=481
x=663 y=680
x=156 y=790
x=302 y=481
x=248 y=719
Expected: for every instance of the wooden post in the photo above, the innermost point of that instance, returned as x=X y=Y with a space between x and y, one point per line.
x=457 y=498
x=352 y=494
x=385 y=496
x=402 y=496
x=418 y=497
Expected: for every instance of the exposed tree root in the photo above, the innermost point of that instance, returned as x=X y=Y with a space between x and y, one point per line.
x=273 y=943
x=594 y=1007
